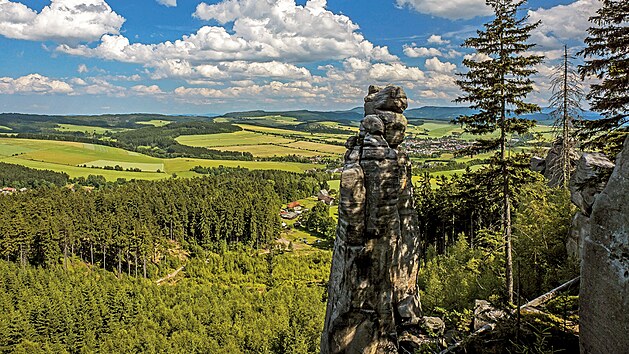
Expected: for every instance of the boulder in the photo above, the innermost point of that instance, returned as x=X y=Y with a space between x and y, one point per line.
x=604 y=293
x=485 y=313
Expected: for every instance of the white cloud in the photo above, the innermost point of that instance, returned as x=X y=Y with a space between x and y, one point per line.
x=33 y=84
x=283 y=29
x=563 y=23
x=434 y=64
x=435 y=39
x=168 y=3
x=143 y=90
x=82 y=69
x=452 y=9
x=418 y=52
x=65 y=21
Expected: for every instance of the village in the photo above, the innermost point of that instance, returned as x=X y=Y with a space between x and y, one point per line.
x=434 y=147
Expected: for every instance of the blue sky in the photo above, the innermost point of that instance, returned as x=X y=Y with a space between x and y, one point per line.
x=213 y=56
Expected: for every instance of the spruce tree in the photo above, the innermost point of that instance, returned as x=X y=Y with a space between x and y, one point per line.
x=567 y=94
x=607 y=58
x=496 y=86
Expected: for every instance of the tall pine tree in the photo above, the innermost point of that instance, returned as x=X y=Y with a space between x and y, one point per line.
x=496 y=85
x=607 y=59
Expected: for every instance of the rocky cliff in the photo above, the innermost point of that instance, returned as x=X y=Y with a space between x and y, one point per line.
x=372 y=290
x=604 y=293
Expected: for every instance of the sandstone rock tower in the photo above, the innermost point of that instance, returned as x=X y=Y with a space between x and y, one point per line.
x=372 y=290
x=604 y=295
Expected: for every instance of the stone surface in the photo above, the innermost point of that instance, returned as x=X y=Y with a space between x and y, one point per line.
x=588 y=180
x=604 y=293
x=552 y=164
x=538 y=164
x=485 y=313
x=372 y=291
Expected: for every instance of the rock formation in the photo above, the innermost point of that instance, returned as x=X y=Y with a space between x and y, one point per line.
x=372 y=290
x=551 y=166
x=604 y=294
x=586 y=183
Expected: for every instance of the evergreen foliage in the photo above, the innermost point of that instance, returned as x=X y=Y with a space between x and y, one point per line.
x=496 y=85
x=18 y=176
x=607 y=59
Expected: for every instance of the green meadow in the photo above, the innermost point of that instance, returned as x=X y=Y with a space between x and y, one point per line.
x=70 y=157
x=155 y=122
x=88 y=129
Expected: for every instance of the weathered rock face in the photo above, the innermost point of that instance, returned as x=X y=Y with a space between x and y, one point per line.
x=372 y=288
x=587 y=182
x=604 y=294
x=552 y=164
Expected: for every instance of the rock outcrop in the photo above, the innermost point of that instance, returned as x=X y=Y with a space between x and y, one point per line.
x=551 y=166
x=372 y=290
x=587 y=182
x=604 y=294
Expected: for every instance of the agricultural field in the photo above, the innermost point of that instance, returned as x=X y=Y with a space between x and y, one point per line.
x=88 y=129
x=2 y=127
x=268 y=142
x=70 y=157
x=155 y=122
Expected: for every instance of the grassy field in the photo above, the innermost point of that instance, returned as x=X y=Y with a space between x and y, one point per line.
x=231 y=139
x=2 y=127
x=155 y=122
x=263 y=142
x=68 y=128
x=68 y=157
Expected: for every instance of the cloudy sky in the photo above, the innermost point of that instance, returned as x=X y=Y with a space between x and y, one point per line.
x=213 y=56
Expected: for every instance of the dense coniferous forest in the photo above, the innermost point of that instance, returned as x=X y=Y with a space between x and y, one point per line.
x=18 y=176
x=126 y=224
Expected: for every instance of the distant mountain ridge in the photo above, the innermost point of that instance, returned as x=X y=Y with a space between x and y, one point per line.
x=356 y=114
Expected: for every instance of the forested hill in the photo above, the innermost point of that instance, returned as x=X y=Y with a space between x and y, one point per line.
x=36 y=123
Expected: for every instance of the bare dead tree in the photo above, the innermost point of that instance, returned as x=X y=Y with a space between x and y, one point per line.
x=567 y=95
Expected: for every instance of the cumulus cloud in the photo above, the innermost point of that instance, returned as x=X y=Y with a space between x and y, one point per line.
x=168 y=3
x=143 y=90
x=555 y=29
x=65 y=21
x=82 y=69
x=418 y=52
x=434 y=64
x=33 y=84
x=452 y=9
x=436 y=39
x=262 y=31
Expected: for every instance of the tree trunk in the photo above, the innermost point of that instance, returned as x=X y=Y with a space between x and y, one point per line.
x=144 y=264
x=92 y=253
x=566 y=124
x=506 y=215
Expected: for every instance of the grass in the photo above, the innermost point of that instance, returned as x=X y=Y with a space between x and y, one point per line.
x=266 y=150
x=155 y=122
x=2 y=127
x=75 y=171
x=86 y=129
x=68 y=156
x=230 y=139
x=318 y=147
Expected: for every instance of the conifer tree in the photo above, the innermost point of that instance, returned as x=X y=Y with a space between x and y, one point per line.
x=567 y=94
x=607 y=59
x=496 y=86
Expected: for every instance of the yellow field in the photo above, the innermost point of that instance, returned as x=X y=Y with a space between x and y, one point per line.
x=268 y=150
x=155 y=122
x=231 y=139
x=318 y=147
